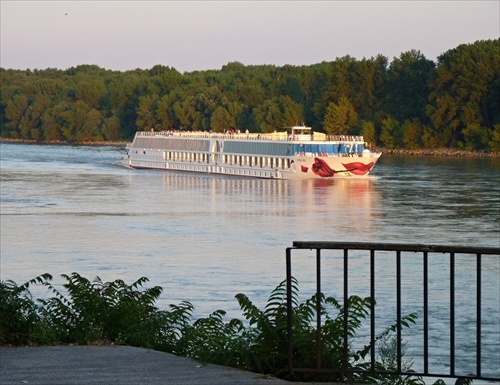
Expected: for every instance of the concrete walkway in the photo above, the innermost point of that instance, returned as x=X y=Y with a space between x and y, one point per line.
x=123 y=365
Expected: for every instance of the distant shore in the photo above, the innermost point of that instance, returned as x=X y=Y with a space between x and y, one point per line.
x=452 y=152
x=64 y=142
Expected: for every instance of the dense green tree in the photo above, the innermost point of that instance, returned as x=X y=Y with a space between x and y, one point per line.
x=91 y=91
x=338 y=81
x=73 y=119
x=451 y=103
x=53 y=121
x=370 y=78
x=408 y=86
x=494 y=143
x=412 y=133
x=268 y=116
x=464 y=87
x=368 y=132
x=290 y=86
x=340 y=118
x=14 y=113
x=222 y=120
x=476 y=137
x=277 y=113
x=31 y=124
x=164 y=113
x=111 y=129
x=251 y=94
x=246 y=120
x=186 y=115
x=166 y=78
x=90 y=129
x=146 y=118
x=389 y=135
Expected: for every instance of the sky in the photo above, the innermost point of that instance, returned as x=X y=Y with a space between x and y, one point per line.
x=203 y=35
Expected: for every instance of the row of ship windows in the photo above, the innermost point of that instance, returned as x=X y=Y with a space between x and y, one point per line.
x=232 y=171
x=230 y=160
x=187 y=167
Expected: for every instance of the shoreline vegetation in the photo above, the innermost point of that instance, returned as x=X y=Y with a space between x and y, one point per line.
x=96 y=312
x=441 y=152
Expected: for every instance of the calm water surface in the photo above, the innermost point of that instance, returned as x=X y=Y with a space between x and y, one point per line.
x=206 y=238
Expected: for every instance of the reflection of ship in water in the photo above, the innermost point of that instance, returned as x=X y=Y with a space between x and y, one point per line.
x=351 y=202
x=342 y=192
x=344 y=208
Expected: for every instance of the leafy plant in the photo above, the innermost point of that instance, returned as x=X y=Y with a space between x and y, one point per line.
x=87 y=312
x=21 y=322
x=94 y=311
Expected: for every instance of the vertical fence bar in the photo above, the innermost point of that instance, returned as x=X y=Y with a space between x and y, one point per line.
x=372 y=308
x=452 y=314
x=318 y=309
x=345 y=370
x=426 y=312
x=398 y=307
x=478 y=315
x=345 y=355
x=289 y=306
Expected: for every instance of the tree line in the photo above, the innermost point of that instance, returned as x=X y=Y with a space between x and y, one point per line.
x=411 y=102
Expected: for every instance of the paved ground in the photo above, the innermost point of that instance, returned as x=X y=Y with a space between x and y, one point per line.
x=123 y=365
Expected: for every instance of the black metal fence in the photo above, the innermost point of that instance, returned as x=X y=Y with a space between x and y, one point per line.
x=421 y=254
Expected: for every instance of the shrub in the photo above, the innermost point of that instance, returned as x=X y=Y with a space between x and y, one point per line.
x=21 y=322
x=94 y=311
x=115 y=312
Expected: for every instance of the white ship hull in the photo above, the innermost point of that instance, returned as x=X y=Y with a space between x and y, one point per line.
x=270 y=156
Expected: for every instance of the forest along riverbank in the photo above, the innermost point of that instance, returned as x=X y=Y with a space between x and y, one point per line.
x=418 y=152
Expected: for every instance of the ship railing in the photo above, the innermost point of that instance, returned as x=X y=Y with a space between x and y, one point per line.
x=276 y=136
x=346 y=138
x=456 y=348
x=273 y=136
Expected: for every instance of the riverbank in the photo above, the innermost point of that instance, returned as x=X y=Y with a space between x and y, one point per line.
x=64 y=142
x=452 y=152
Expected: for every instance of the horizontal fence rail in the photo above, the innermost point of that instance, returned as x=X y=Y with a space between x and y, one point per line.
x=423 y=255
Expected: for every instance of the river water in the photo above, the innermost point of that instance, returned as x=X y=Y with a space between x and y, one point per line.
x=206 y=238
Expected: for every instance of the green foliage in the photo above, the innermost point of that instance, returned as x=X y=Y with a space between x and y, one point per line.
x=387 y=361
x=476 y=137
x=278 y=112
x=455 y=100
x=340 y=118
x=389 y=135
x=408 y=86
x=114 y=311
x=86 y=312
x=21 y=322
x=222 y=120
x=412 y=133
x=463 y=89
x=494 y=143
x=368 y=132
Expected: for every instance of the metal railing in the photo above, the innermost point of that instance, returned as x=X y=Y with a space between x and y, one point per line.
x=345 y=253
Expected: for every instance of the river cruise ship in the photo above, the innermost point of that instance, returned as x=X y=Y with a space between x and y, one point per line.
x=298 y=153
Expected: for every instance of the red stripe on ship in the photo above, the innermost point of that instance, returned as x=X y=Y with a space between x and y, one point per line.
x=358 y=168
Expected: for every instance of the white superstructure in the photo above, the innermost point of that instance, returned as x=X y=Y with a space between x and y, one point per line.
x=298 y=154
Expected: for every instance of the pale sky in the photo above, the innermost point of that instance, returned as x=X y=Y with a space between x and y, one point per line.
x=201 y=35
